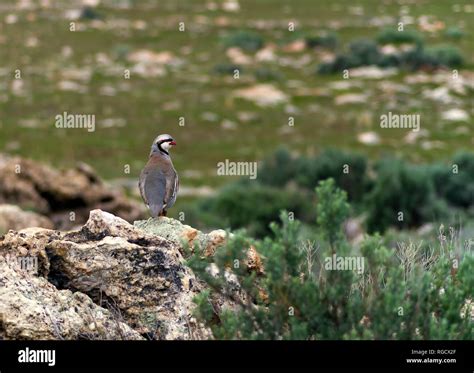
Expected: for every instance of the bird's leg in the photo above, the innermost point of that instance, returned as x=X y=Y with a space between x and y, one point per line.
x=163 y=213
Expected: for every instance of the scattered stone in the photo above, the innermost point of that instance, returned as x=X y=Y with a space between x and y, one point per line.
x=455 y=115
x=372 y=72
x=368 y=138
x=238 y=57
x=262 y=95
x=350 y=98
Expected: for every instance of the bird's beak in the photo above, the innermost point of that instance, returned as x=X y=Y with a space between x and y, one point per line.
x=173 y=143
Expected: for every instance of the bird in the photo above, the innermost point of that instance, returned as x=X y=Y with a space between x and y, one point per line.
x=159 y=181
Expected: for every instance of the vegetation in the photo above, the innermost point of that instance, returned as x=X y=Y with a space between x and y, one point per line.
x=247 y=40
x=389 y=193
x=400 y=294
x=365 y=52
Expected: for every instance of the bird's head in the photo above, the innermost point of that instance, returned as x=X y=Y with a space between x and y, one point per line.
x=163 y=144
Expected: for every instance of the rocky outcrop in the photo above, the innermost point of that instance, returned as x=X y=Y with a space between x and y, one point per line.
x=65 y=197
x=32 y=308
x=139 y=276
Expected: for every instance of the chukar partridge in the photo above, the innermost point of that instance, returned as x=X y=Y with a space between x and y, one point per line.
x=159 y=181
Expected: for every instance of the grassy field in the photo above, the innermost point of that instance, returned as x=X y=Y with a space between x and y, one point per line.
x=83 y=72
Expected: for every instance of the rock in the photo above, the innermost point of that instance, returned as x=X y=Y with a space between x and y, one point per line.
x=266 y=54
x=262 y=95
x=65 y=197
x=13 y=217
x=296 y=46
x=368 y=138
x=32 y=308
x=350 y=98
x=140 y=276
x=372 y=72
x=110 y=280
x=183 y=235
x=456 y=115
x=152 y=58
x=231 y=6
x=238 y=57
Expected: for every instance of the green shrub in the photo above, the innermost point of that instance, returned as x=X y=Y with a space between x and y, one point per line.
x=391 y=36
x=121 y=51
x=246 y=40
x=364 y=52
x=226 y=69
x=253 y=206
x=279 y=169
x=347 y=169
x=455 y=182
x=445 y=55
x=323 y=40
x=361 y=52
x=454 y=32
x=399 y=295
x=89 y=13
x=402 y=196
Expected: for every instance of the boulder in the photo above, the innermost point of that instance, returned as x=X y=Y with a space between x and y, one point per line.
x=139 y=276
x=65 y=197
x=32 y=308
x=109 y=280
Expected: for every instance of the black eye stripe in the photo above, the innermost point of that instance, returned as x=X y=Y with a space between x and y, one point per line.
x=163 y=141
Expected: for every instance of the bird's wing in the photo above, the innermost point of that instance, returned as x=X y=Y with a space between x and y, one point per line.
x=173 y=190
x=153 y=189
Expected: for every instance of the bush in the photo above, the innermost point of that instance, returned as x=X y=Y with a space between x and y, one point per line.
x=423 y=193
x=455 y=183
x=399 y=295
x=365 y=52
x=454 y=32
x=90 y=14
x=391 y=36
x=253 y=206
x=226 y=69
x=347 y=169
x=361 y=52
x=246 y=40
x=445 y=55
x=281 y=169
x=323 y=40
x=402 y=195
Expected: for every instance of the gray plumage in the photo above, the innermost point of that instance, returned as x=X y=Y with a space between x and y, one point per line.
x=159 y=182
